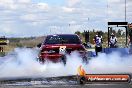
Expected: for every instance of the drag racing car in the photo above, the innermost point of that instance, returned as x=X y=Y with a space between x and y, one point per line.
x=56 y=47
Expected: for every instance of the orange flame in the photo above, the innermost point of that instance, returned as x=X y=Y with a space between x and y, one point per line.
x=81 y=71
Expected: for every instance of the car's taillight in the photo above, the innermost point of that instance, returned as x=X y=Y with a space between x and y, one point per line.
x=49 y=52
x=44 y=52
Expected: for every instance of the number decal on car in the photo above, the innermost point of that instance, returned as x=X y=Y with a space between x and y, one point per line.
x=62 y=49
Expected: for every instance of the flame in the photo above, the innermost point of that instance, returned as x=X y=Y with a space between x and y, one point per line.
x=81 y=71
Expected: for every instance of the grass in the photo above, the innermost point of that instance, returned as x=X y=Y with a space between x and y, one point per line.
x=2 y=54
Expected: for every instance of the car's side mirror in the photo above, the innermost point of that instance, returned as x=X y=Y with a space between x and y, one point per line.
x=39 y=45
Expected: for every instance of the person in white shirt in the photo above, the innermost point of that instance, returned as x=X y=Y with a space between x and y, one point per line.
x=98 y=43
x=113 y=41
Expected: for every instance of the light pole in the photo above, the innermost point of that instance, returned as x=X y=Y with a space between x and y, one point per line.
x=125 y=10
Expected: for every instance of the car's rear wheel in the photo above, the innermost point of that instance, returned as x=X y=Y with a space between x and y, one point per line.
x=85 y=59
x=63 y=59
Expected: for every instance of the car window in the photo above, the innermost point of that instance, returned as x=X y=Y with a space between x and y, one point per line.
x=62 y=39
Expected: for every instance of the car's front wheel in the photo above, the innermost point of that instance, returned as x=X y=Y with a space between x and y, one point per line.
x=41 y=60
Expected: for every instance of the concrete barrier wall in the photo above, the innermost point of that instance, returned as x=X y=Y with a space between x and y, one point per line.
x=123 y=51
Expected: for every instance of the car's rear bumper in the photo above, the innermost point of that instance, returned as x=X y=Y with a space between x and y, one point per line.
x=56 y=57
x=51 y=57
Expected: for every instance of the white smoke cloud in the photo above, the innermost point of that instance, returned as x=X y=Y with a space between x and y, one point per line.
x=73 y=2
x=23 y=63
x=112 y=63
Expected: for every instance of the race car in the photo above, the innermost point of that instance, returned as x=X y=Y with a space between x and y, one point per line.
x=56 y=47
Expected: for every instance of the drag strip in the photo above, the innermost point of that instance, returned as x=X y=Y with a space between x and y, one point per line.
x=57 y=82
x=70 y=86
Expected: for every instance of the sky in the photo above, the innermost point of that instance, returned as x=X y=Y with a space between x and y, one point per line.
x=25 y=18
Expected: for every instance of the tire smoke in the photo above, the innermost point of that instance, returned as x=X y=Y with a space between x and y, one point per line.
x=22 y=62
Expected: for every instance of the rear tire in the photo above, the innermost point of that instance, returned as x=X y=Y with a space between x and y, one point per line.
x=85 y=59
x=41 y=60
x=63 y=59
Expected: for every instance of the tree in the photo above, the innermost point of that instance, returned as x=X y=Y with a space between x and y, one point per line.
x=78 y=32
x=119 y=33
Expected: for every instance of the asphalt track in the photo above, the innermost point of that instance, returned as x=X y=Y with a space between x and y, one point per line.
x=59 y=84
x=70 y=86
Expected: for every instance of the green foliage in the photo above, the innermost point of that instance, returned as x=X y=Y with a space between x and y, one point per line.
x=78 y=32
x=130 y=32
x=19 y=45
x=2 y=54
x=92 y=33
x=119 y=33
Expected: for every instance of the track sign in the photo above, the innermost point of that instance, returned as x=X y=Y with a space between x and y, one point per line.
x=117 y=23
x=108 y=78
x=4 y=41
x=104 y=78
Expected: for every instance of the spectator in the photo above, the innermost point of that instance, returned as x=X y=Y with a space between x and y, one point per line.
x=113 y=41
x=98 y=43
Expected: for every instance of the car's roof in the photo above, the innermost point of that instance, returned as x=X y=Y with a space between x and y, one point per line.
x=61 y=34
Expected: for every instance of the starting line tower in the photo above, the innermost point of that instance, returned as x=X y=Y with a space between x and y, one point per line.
x=118 y=24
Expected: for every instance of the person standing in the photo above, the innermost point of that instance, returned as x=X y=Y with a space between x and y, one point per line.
x=113 y=41
x=98 y=43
